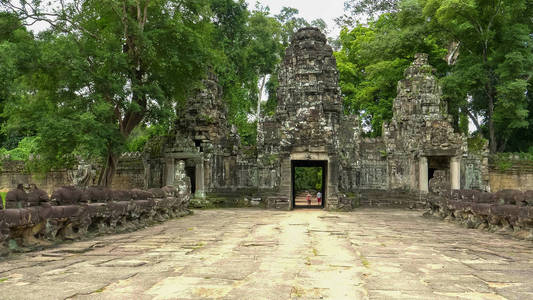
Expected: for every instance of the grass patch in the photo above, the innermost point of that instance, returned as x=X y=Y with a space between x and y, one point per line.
x=365 y=262
x=4 y=279
x=3 y=195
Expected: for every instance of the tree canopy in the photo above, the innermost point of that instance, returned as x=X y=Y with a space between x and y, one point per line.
x=482 y=51
x=108 y=74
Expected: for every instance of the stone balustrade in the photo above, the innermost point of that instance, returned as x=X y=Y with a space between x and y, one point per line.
x=31 y=220
x=506 y=211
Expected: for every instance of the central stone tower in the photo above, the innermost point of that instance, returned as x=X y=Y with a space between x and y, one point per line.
x=304 y=129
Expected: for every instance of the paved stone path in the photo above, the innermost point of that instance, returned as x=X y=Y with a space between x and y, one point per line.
x=303 y=254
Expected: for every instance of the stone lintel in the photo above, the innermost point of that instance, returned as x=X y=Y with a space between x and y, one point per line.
x=185 y=155
x=310 y=156
x=312 y=149
x=439 y=152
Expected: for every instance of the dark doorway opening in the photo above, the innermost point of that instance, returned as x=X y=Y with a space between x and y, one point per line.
x=308 y=176
x=438 y=163
x=431 y=173
x=191 y=173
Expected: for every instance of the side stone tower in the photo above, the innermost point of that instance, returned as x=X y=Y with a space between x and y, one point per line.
x=420 y=139
x=303 y=131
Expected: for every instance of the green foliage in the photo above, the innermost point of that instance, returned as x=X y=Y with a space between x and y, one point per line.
x=308 y=178
x=373 y=58
x=141 y=135
x=17 y=56
x=504 y=161
x=3 y=196
x=494 y=66
x=105 y=68
x=488 y=81
x=355 y=9
x=27 y=146
x=249 y=45
x=477 y=144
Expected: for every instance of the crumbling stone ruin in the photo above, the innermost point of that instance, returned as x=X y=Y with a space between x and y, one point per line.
x=33 y=219
x=418 y=152
x=507 y=211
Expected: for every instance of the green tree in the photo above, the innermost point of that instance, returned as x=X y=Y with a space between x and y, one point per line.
x=18 y=53
x=107 y=67
x=495 y=64
x=355 y=10
x=373 y=58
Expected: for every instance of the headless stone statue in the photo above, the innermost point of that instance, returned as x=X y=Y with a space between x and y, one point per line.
x=181 y=181
x=180 y=174
x=82 y=176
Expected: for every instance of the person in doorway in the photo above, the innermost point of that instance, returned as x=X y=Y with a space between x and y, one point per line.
x=308 y=197
x=319 y=197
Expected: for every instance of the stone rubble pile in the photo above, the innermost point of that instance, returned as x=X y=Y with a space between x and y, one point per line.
x=33 y=219
x=506 y=211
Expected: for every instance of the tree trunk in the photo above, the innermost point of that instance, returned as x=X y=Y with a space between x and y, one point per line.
x=106 y=177
x=492 y=135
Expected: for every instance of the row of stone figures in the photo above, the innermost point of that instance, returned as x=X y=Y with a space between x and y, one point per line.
x=33 y=218
x=506 y=211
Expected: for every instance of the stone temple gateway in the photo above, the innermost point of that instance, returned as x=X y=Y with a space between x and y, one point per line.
x=418 y=152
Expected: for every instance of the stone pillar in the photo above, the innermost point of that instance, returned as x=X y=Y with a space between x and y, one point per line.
x=423 y=180
x=147 y=173
x=455 y=173
x=170 y=172
x=200 y=184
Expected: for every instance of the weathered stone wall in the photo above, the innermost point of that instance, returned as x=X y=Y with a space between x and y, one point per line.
x=129 y=175
x=517 y=177
x=13 y=173
x=130 y=172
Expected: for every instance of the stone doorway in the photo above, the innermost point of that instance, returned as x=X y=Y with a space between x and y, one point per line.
x=438 y=173
x=299 y=189
x=190 y=171
x=438 y=163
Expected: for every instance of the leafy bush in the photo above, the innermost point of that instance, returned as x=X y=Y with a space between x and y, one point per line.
x=506 y=160
x=26 y=146
x=3 y=196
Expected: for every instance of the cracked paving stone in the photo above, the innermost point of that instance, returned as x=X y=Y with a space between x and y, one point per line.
x=301 y=254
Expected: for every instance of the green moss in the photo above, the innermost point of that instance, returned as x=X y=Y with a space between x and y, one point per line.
x=477 y=144
x=426 y=69
x=206 y=118
x=3 y=196
x=365 y=262
x=3 y=279
x=504 y=161
x=154 y=146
